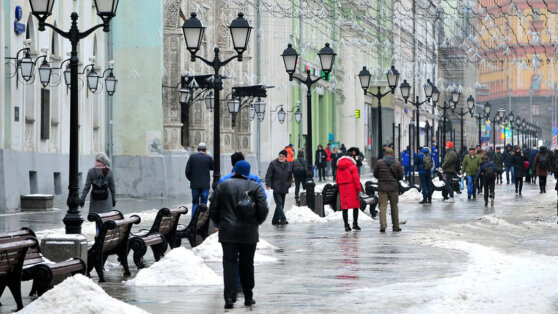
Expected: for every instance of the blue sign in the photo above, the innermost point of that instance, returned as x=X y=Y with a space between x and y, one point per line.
x=555 y=131
x=18 y=13
x=19 y=28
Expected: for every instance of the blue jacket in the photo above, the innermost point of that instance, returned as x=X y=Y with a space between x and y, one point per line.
x=534 y=153
x=483 y=167
x=435 y=157
x=405 y=158
x=419 y=161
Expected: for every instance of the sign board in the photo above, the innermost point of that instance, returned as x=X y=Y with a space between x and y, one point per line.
x=19 y=28
x=357 y=114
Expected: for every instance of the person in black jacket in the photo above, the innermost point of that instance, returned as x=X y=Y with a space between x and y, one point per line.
x=321 y=162
x=518 y=168
x=507 y=158
x=300 y=170
x=335 y=155
x=197 y=171
x=238 y=231
x=279 y=179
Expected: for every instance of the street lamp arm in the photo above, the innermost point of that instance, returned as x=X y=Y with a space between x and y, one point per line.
x=298 y=79
x=91 y=30
x=58 y=30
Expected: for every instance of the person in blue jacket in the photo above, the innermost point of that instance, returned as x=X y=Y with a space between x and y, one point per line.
x=435 y=157
x=406 y=163
x=425 y=163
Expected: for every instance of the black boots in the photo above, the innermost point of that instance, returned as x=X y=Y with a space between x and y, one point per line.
x=347 y=227
x=355 y=226
x=229 y=304
x=424 y=201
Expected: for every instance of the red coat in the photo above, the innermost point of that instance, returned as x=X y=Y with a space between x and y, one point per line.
x=348 y=182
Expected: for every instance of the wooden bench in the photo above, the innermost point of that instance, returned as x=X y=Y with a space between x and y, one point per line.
x=39 y=269
x=100 y=218
x=112 y=239
x=162 y=232
x=12 y=256
x=197 y=230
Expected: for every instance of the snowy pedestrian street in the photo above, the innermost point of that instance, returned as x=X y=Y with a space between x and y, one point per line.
x=449 y=258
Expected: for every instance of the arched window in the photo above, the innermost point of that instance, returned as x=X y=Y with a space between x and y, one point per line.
x=95 y=48
x=535 y=82
x=30 y=32
x=55 y=45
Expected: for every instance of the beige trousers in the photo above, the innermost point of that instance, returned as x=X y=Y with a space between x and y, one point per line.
x=393 y=198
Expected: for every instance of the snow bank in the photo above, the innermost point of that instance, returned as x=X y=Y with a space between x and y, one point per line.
x=303 y=215
x=180 y=267
x=210 y=250
x=86 y=297
x=411 y=196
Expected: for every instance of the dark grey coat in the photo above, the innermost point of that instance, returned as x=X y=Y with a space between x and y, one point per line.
x=223 y=212
x=279 y=176
x=198 y=170
x=99 y=206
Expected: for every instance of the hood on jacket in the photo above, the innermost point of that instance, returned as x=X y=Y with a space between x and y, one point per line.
x=389 y=160
x=425 y=150
x=345 y=162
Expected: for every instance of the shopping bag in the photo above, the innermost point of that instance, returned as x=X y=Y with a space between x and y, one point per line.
x=462 y=184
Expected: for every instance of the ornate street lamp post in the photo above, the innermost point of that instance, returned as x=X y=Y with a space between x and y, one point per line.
x=430 y=91
x=496 y=120
x=106 y=10
x=193 y=30
x=392 y=79
x=327 y=59
x=462 y=114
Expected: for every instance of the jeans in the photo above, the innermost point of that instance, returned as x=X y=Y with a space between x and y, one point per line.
x=198 y=194
x=238 y=259
x=488 y=189
x=471 y=186
x=298 y=182
x=426 y=185
x=448 y=181
x=508 y=169
x=279 y=214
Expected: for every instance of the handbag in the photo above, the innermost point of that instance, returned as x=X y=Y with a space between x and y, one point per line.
x=246 y=208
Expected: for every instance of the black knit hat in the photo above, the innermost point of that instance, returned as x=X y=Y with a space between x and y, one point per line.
x=284 y=153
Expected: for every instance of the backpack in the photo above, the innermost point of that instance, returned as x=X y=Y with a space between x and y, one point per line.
x=100 y=188
x=543 y=162
x=490 y=173
x=427 y=162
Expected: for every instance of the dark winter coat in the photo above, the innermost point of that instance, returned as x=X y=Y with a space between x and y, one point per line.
x=507 y=158
x=198 y=170
x=335 y=157
x=300 y=168
x=321 y=158
x=482 y=169
x=532 y=154
x=499 y=161
x=448 y=166
x=517 y=163
x=388 y=171
x=235 y=227
x=542 y=171
x=99 y=206
x=279 y=176
x=348 y=182
x=470 y=165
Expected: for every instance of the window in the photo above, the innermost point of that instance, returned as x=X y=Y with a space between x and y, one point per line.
x=57 y=183
x=45 y=114
x=33 y=186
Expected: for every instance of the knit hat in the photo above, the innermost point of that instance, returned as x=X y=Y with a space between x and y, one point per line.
x=283 y=152
x=449 y=144
x=201 y=146
x=242 y=168
x=103 y=158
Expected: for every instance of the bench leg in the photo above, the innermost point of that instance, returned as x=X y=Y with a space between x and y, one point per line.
x=138 y=256
x=159 y=250
x=15 y=288
x=99 y=262
x=123 y=257
x=33 y=288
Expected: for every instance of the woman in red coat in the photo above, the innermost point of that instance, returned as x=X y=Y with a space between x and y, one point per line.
x=348 y=182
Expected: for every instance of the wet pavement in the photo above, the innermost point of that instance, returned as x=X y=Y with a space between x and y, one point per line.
x=321 y=268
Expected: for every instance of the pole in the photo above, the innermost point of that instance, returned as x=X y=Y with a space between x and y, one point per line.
x=444 y=131
x=218 y=85
x=418 y=125
x=511 y=131
x=73 y=219
x=480 y=140
x=399 y=139
x=380 y=150
x=310 y=176
x=462 y=133
x=494 y=134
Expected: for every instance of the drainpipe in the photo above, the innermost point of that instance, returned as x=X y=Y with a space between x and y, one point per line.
x=335 y=134
x=109 y=102
x=259 y=73
x=300 y=71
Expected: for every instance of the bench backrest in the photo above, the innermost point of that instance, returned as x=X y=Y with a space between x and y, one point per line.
x=113 y=233
x=101 y=218
x=12 y=255
x=167 y=220
x=34 y=255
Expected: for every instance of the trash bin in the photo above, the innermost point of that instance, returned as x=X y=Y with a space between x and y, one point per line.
x=318 y=203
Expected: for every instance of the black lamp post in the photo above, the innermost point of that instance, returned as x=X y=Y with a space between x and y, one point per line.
x=462 y=114
x=483 y=116
x=193 y=30
x=392 y=78
x=524 y=130
x=511 y=121
x=327 y=59
x=106 y=10
x=496 y=120
x=430 y=91
x=455 y=95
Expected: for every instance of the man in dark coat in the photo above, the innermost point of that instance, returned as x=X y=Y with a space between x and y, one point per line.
x=518 y=160
x=300 y=172
x=279 y=179
x=238 y=230
x=507 y=158
x=498 y=160
x=388 y=171
x=450 y=172
x=197 y=171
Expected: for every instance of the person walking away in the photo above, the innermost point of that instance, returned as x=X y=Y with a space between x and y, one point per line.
x=236 y=157
x=507 y=158
x=335 y=155
x=480 y=153
x=487 y=170
x=406 y=162
x=542 y=165
x=321 y=162
x=425 y=163
x=343 y=149
x=449 y=171
x=498 y=161
x=532 y=173
x=100 y=180
x=198 y=170
x=348 y=182
x=518 y=168
x=290 y=153
x=279 y=178
x=388 y=171
x=328 y=160
x=470 y=168
x=355 y=153
x=527 y=155
x=300 y=170
x=238 y=230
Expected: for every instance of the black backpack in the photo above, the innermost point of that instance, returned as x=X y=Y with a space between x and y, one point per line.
x=427 y=162
x=490 y=173
x=100 y=188
x=543 y=162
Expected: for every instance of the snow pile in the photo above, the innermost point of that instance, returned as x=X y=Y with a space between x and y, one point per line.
x=328 y=210
x=303 y=215
x=180 y=267
x=436 y=181
x=493 y=220
x=338 y=216
x=86 y=297
x=411 y=196
x=210 y=250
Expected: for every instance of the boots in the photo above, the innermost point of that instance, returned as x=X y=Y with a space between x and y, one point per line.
x=424 y=201
x=429 y=200
x=297 y=201
x=347 y=227
x=355 y=226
